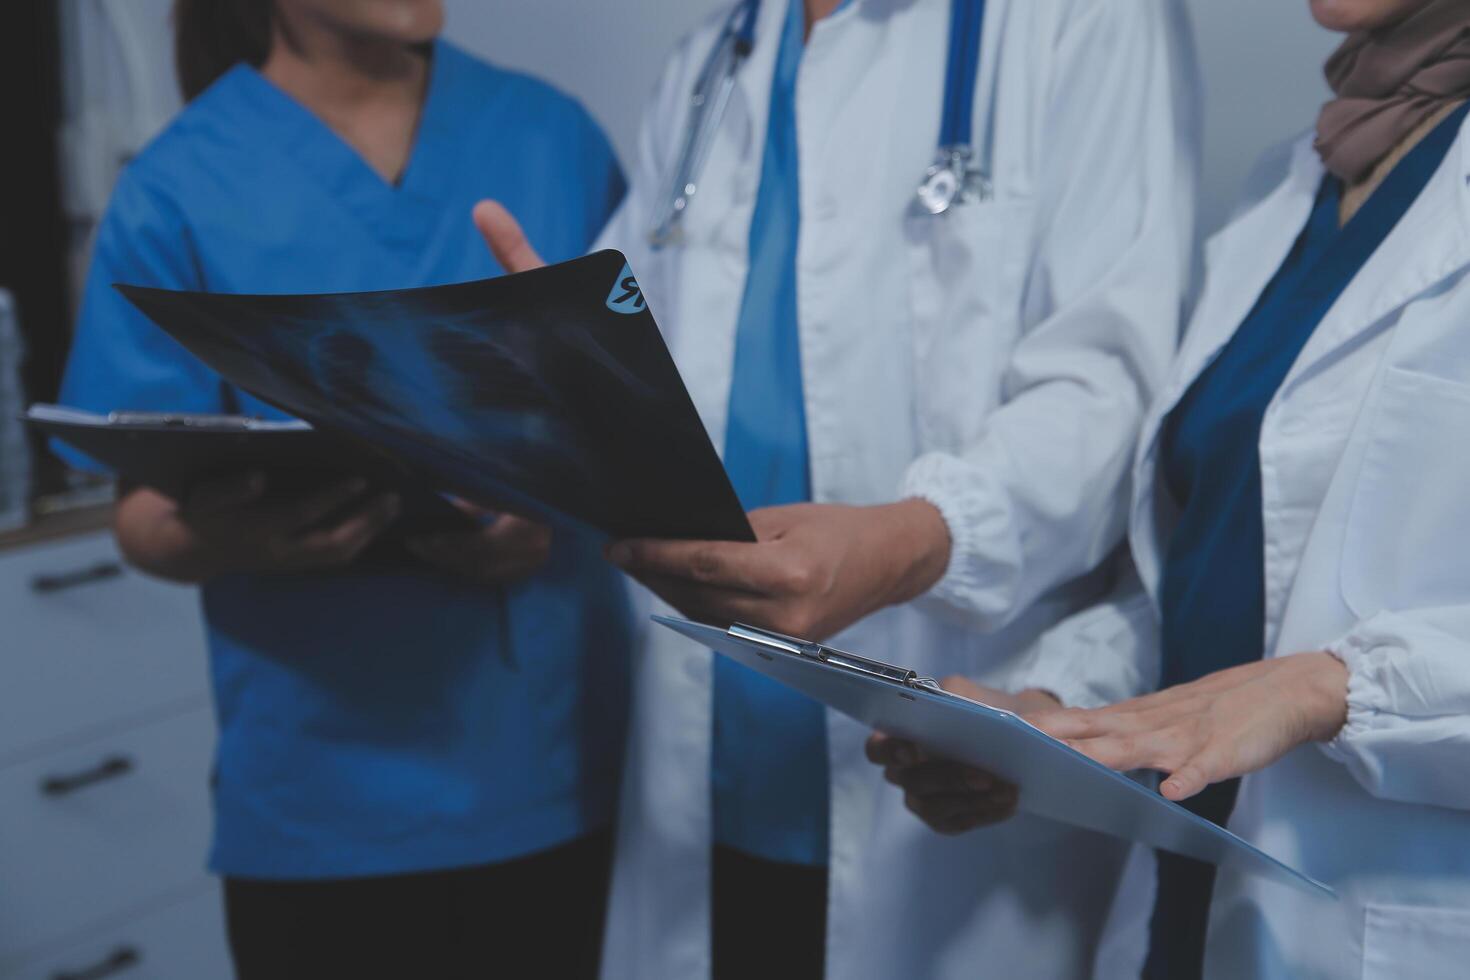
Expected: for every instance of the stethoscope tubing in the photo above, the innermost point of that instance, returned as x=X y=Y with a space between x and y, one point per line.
x=736 y=42
x=962 y=68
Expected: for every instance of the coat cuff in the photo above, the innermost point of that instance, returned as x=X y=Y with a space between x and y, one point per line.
x=979 y=578
x=1061 y=677
x=1366 y=656
x=1099 y=656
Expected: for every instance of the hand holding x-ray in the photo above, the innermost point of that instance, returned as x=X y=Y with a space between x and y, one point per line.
x=815 y=568
x=505 y=548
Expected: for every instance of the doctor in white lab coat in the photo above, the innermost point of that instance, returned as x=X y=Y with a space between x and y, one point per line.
x=1348 y=708
x=973 y=384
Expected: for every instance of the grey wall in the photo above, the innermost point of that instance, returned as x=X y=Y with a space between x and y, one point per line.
x=1261 y=61
x=1262 y=65
x=606 y=52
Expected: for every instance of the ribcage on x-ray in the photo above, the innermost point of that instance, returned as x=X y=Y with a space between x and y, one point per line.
x=345 y=365
x=487 y=373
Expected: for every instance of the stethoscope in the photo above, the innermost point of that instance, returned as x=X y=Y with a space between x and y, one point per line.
x=955 y=176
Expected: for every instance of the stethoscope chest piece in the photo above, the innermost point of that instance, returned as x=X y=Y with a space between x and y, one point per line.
x=955 y=177
x=951 y=180
x=939 y=188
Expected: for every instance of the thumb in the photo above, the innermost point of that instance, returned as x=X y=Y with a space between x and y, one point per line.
x=1199 y=772
x=503 y=234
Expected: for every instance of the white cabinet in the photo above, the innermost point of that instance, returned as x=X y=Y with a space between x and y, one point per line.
x=90 y=832
x=106 y=743
x=87 y=643
x=179 y=940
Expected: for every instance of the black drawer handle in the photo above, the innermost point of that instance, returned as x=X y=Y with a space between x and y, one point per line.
x=109 y=768
x=120 y=959
x=59 y=581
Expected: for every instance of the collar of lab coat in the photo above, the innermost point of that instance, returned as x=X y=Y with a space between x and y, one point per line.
x=1423 y=249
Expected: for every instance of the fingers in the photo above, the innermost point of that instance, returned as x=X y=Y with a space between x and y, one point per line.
x=1185 y=782
x=1209 y=765
x=470 y=509
x=940 y=777
x=770 y=523
x=974 y=820
x=1079 y=723
x=301 y=514
x=709 y=605
x=963 y=686
x=725 y=607
x=1193 y=691
x=217 y=496
x=1162 y=749
x=712 y=563
x=1120 y=752
x=439 y=550
x=966 y=688
x=507 y=550
x=1120 y=719
x=757 y=569
x=342 y=543
x=951 y=798
x=885 y=750
x=960 y=812
x=503 y=234
x=512 y=535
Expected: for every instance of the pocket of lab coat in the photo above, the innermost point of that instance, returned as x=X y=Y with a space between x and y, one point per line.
x=966 y=271
x=1411 y=503
x=1422 y=942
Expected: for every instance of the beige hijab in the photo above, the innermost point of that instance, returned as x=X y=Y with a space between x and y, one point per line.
x=1391 y=80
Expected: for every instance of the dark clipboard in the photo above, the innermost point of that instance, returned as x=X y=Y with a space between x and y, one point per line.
x=170 y=452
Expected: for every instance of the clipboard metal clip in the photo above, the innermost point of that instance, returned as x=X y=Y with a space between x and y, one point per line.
x=902 y=676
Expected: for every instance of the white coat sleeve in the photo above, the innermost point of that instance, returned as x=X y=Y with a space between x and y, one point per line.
x=1102 y=655
x=1040 y=497
x=1407 y=736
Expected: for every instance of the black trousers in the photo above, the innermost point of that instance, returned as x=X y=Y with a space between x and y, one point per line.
x=769 y=919
x=1176 y=948
x=540 y=915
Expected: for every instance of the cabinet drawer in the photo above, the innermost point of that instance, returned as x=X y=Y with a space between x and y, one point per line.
x=184 y=940
x=87 y=642
x=95 y=829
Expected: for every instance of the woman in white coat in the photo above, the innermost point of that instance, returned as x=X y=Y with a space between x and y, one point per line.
x=967 y=391
x=1300 y=500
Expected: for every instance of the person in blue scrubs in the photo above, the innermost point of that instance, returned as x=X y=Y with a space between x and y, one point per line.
x=418 y=756
x=769 y=757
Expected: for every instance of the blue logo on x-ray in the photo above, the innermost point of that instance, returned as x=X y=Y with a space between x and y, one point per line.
x=625 y=297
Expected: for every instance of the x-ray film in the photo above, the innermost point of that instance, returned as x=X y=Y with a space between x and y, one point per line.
x=549 y=393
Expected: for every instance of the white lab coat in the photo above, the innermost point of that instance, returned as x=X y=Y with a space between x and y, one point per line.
x=1365 y=506
x=996 y=361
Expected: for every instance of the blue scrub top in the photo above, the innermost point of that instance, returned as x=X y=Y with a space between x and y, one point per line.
x=769 y=763
x=1213 y=595
x=373 y=720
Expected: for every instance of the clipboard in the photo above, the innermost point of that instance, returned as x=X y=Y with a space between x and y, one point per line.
x=172 y=451
x=1056 y=781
